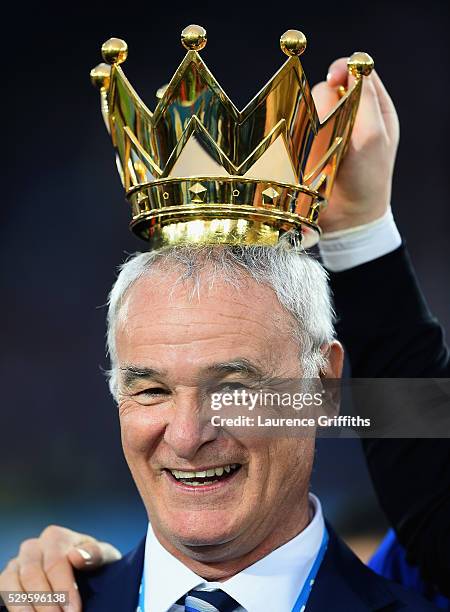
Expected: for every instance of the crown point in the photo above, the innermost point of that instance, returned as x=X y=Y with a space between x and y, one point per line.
x=115 y=51
x=293 y=43
x=193 y=38
x=360 y=64
x=100 y=76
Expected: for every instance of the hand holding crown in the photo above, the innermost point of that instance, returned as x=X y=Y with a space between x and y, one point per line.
x=362 y=189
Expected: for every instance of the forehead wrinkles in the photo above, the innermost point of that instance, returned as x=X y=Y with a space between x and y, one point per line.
x=179 y=283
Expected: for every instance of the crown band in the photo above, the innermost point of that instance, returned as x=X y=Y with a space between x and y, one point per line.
x=259 y=204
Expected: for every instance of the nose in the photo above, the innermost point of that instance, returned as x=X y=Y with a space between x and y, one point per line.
x=190 y=426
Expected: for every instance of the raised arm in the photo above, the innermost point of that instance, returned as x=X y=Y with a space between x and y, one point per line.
x=386 y=326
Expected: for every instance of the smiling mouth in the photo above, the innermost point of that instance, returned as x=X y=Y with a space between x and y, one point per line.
x=205 y=477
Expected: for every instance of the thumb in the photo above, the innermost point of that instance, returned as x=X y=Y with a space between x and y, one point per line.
x=92 y=555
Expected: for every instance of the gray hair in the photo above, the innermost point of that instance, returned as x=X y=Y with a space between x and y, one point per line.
x=299 y=282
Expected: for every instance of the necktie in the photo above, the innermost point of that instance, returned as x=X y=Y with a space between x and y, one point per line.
x=209 y=601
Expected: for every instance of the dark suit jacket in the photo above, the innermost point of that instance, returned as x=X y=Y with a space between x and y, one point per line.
x=343 y=584
x=389 y=332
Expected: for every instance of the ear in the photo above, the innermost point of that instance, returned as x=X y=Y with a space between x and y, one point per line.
x=334 y=355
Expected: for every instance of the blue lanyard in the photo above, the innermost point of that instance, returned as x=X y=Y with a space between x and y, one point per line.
x=300 y=604
x=302 y=599
x=141 y=602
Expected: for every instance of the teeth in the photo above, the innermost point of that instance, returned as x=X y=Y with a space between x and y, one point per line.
x=218 y=471
x=201 y=484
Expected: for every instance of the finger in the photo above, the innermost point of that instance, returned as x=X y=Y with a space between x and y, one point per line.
x=386 y=106
x=60 y=575
x=55 y=543
x=31 y=572
x=61 y=557
x=91 y=555
x=369 y=118
x=325 y=98
x=370 y=111
x=338 y=73
x=381 y=107
x=9 y=581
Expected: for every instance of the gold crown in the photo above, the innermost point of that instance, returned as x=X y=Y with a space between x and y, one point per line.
x=198 y=170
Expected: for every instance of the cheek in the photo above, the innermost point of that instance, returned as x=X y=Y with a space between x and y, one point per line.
x=290 y=465
x=141 y=428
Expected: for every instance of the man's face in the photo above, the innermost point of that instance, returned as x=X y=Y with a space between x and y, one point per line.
x=170 y=348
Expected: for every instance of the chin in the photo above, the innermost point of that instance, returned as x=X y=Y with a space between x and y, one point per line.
x=198 y=529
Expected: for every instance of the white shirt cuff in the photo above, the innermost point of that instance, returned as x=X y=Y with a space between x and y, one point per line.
x=354 y=246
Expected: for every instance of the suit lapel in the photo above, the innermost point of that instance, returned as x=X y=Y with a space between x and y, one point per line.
x=343 y=583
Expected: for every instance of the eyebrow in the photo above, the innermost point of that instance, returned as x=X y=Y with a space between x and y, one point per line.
x=236 y=366
x=132 y=373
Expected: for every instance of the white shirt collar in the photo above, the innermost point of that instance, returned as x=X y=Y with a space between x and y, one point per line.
x=272 y=583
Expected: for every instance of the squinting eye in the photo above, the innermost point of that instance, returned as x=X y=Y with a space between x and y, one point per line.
x=229 y=387
x=152 y=396
x=153 y=392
